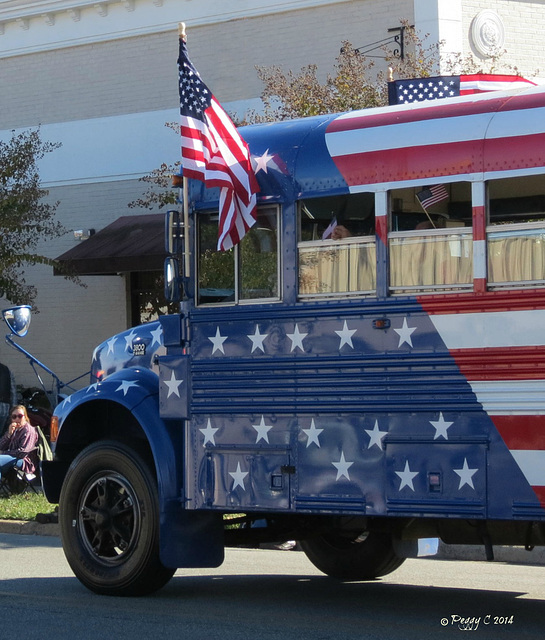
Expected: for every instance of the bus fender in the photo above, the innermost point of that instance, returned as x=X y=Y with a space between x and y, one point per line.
x=187 y=538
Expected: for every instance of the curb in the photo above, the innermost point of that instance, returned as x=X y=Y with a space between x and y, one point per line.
x=29 y=528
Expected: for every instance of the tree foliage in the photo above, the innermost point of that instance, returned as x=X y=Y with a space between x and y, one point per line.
x=25 y=218
x=356 y=82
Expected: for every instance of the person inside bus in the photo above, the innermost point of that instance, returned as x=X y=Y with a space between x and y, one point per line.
x=336 y=230
x=340 y=232
x=337 y=217
x=18 y=444
x=340 y=228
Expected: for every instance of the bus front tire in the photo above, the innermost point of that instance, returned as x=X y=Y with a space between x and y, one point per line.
x=356 y=557
x=109 y=521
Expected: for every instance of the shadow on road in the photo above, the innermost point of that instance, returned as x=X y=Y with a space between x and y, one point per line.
x=267 y=607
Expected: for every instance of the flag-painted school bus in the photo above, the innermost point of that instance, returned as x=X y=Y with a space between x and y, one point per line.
x=366 y=368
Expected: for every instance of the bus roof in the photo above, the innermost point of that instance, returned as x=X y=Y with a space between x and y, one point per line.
x=467 y=138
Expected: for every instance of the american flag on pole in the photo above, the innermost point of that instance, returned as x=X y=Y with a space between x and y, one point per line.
x=432 y=195
x=423 y=89
x=214 y=152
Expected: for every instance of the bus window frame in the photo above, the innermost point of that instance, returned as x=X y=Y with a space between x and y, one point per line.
x=457 y=233
x=238 y=301
x=319 y=243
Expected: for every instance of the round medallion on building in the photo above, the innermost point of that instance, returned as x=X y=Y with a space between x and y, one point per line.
x=487 y=33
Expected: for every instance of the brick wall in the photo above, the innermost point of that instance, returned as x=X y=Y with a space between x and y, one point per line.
x=139 y=74
x=524 y=24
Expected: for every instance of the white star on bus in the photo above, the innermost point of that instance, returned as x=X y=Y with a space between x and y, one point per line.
x=313 y=434
x=209 y=433
x=405 y=333
x=345 y=334
x=262 y=161
x=129 y=340
x=238 y=477
x=375 y=436
x=126 y=385
x=111 y=345
x=297 y=338
x=342 y=467
x=257 y=339
x=173 y=385
x=218 y=341
x=407 y=477
x=466 y=475
x=440 y=427
x=157 y=336
x=262 y=431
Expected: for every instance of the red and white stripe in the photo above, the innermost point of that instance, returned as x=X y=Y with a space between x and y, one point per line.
x=214 y=152
x=502 y=355
x=456 y=138
x=481 y=82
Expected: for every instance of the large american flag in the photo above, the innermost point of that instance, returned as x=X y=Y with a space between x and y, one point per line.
x=214 y=152
x=422 y=89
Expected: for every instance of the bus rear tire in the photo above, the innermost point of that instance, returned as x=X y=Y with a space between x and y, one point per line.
x=109 y=521
x=364 y=557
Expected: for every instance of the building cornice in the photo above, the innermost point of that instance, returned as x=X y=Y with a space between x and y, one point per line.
x=31 y=26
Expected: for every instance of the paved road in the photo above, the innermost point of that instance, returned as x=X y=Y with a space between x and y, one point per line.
x=268 y=595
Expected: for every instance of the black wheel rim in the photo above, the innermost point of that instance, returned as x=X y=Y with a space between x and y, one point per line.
x=109 y=518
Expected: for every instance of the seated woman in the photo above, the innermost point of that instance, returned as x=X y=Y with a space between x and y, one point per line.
x=18 y=444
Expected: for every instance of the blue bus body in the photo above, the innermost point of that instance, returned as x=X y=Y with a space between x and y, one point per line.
x=407 y=403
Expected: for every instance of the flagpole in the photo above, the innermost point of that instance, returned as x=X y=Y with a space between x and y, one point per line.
x=424 y=210
x=185 y=189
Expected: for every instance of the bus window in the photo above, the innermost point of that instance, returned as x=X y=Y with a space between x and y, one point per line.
x=336 y=248
x=259 y=258
x=516 y=231
x=249 y=271
x=431 y=240
x=216 y=269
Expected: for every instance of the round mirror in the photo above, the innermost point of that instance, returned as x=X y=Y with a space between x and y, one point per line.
x=18 y=319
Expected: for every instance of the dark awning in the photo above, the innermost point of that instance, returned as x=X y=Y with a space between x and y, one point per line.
x=131 y=243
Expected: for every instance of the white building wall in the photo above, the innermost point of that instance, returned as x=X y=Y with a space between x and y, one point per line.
x=440 y=21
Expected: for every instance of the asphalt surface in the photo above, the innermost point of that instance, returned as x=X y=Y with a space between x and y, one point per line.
x=269 y=595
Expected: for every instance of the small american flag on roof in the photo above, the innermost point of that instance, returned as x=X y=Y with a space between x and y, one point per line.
x=437 y=87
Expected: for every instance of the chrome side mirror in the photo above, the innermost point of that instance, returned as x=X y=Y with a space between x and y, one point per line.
x=174 y=232
x=18 y=319
x=172 y=279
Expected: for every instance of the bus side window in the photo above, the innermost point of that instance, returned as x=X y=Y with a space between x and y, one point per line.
x=216 y=269
x=516 y=231
x=248 y=271
x=336 y=248
x=431 y=241
x=259 y=257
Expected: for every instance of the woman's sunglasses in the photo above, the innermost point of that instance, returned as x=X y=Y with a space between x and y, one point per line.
x=17 y=415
